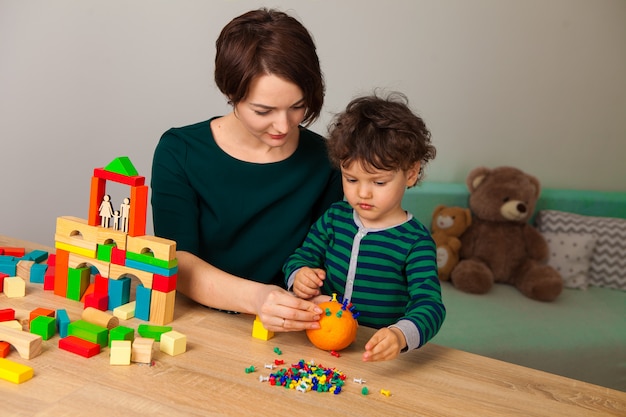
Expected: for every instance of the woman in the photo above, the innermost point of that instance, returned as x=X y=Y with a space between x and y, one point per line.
x=239 y=192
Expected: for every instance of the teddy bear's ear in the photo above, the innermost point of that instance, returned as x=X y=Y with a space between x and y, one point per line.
x=475 y=177
x=438 y=210
x=468 y=217
x=536 y=183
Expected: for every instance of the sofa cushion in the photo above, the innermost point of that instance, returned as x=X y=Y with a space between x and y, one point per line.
x=608 y=261
x=570 y=254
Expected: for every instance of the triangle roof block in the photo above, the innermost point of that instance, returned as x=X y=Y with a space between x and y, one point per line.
x=122 y=165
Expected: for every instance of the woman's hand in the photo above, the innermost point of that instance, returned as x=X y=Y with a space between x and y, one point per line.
x=386 y=344
x=281 y=311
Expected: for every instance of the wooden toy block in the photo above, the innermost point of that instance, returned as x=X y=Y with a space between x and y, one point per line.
x=121 y=333
x=14 y=287
x=60 y=274
x=52 y=257
x=138 y=211
x=43 y=326
x=38 y=273
x=162 y=307
x=88 y=253
x=37 y=255
x=98 y=301
x=118 y=256
x=163 y=283
x=173 y=343
x=121 y=351
x=126 y=311
x=5 y=348
x=28 y=345
x=40 y=311
x=79 y=346
x=160 y=248
x=152 y=331
x=123 y=166
x=9 y=268
x=109 y=236
x=141 y=350
x=13 y=251
x=63 y=321
x=101 y=284
x=259 y=331
x=143 y=298
x=79 y=261
x=48 y=278
x=23 y=269
x=77 y=282
x=146 y=267
x=133 y=181
x=90 y=290
x=13 y=324
x=76 y=232
x=2 y=277
x=100 y=318
x=88 y=331
x=97 y=191
x=148 y=258
x=119 y=292
x=7 y=314
x=118 y=271
x=15 y=372
x=1 y=251
x=103 y=253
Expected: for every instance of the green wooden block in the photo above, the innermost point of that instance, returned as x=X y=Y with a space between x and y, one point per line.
x=148 y=258
x=122 y=165
x=77 y=282
x=152 y=332
x=43 y=326
x=121 y=333
x=103 y=252
x=89 y=332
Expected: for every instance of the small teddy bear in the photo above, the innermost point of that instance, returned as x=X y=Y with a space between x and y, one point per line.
x=448 y=224
x=500 y=245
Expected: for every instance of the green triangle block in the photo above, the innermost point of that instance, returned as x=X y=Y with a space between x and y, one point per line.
x=122 y=166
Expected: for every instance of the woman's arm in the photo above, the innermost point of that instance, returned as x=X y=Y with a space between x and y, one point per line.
x=278 y=309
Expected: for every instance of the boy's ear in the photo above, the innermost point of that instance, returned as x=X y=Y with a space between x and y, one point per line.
x=412 y=175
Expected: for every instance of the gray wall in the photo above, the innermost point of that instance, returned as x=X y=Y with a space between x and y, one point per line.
x=538 y=84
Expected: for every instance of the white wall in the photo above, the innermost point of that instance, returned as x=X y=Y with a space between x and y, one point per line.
x=538 y=84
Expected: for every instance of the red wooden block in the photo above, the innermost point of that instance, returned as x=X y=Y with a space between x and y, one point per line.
x=2 y=277
x=98 y=301
x=7 y=314
x=101 y=285
x=79 y=346
x=98 y=188
x=51 y=259
x=60 y=275
x=138 y=211
x=41 y=312
x=89 y=290
x=134 y=181
x=10 y=251
x=118 y=256
x=48 y=278
x=5 y=348
x=1 y=251
x=164 y=284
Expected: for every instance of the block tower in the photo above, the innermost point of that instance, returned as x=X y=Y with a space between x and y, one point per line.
x=113 y=251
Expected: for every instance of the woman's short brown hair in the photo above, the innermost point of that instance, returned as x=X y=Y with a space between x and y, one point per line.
x=381 y=133
x=268 y=41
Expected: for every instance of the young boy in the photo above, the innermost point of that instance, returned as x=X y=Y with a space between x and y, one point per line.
x=368 y=248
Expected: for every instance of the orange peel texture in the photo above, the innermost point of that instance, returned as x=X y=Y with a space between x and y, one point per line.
x=337 y=329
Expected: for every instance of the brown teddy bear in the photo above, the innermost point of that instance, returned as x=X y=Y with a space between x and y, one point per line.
x=500 y=245
x=448 y=224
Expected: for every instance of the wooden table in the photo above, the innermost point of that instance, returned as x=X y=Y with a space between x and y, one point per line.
x=210 y=379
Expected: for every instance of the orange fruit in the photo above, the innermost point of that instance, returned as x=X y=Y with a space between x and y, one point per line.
x=337 y=328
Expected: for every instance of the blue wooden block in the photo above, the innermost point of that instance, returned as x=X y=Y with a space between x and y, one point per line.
x=9 y=268
x=63 y=321
x=36 y=255
x=37 y=273
x=143 y=296
x=119 y=292
x=7 y=259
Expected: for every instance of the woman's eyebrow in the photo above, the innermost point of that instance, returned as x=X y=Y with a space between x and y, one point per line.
x=264 y=106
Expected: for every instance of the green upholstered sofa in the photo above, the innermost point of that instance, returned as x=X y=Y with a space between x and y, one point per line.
x=581 y=335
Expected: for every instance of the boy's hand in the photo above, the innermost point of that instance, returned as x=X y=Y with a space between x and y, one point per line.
x=386 y=344
x=308 y=281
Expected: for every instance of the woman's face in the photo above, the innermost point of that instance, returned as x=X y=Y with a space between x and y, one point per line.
x=272 y=111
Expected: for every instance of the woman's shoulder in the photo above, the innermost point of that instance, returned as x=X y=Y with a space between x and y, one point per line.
x=190 y=132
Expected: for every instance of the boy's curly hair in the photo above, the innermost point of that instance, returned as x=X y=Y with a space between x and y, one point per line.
x=380 y=133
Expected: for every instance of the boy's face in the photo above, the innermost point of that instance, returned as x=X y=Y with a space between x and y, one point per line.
x=377 y=195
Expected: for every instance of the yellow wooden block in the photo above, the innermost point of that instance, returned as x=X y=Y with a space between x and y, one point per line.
x=126 y=311
x=163 y=249
x=14 y=287
x=173 y=343
x=259 y=331
x=15 y=372
x=121 y=351
x=89 y=252
x=141 y=350
x=118 y=271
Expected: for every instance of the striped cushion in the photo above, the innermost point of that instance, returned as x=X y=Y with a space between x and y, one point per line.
x=608 y=261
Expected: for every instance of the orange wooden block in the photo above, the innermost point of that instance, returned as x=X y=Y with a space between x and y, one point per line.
x=98 y=188
x=138 y=210
x=5 y=348
x=11 y=251
x=41 y=312
x=60 y=273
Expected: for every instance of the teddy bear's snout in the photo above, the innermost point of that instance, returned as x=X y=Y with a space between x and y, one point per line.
x=514 y=210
